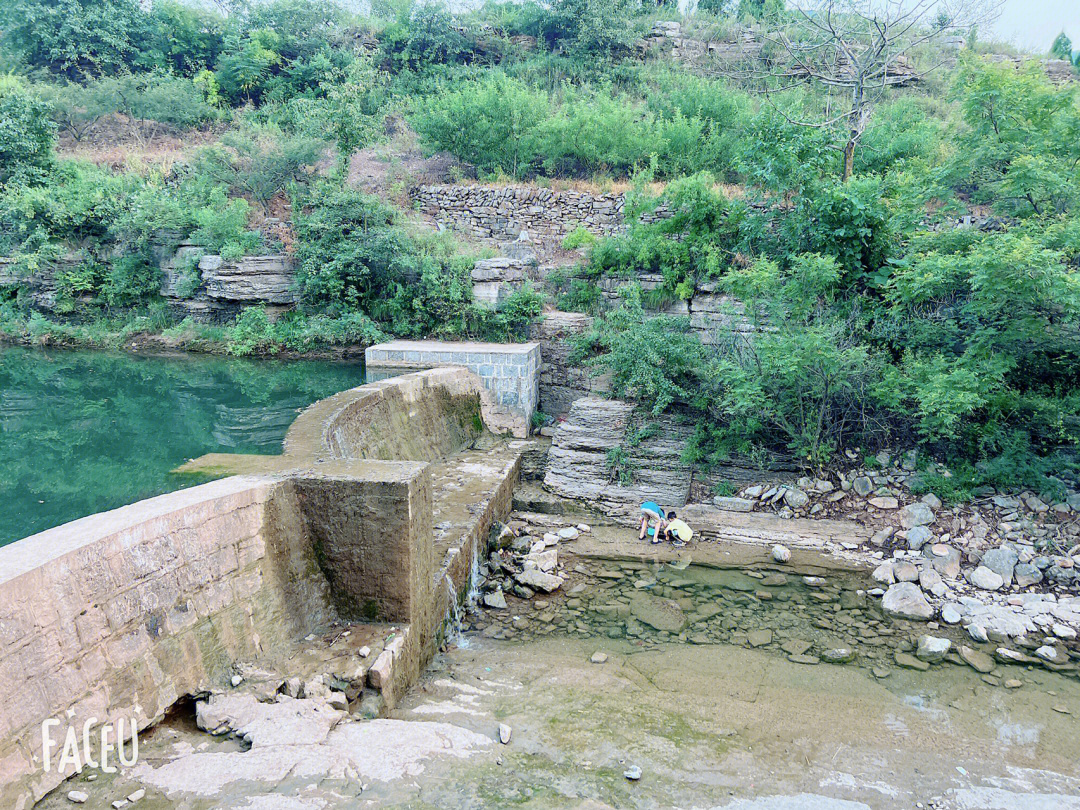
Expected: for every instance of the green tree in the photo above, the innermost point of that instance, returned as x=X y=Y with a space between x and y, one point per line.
x=75 y=38
x=1020 y=146
x=27 y=133
x=1062 y=48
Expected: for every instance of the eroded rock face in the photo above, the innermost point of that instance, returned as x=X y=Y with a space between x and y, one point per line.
x=579 y=467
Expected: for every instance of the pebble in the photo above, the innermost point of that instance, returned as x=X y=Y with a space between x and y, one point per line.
x=505 y=733
x=1012 y=683
x=236 y=680
x=1061 y=709
x=781 y=553
x=138 y=794
x=364 y=651
x=599 y=657
x=77 y=797
x=633 y=773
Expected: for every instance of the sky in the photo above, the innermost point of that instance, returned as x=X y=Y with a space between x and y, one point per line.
x=1033 y=24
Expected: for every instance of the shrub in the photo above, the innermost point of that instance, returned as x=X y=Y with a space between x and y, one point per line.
x=259 y=164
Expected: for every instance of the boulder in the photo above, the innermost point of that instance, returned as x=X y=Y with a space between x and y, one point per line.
x=862 y=485
x=538 y=580
x=1026 y=574
x=781 y=553
x=918 y=536
x=979 y=661
x=905 y=600
x=932 y=648
x=733 y=504
x=916 y=514
x=657 y=612
x=985 y=578
x=796 y=498
x=1001 y=560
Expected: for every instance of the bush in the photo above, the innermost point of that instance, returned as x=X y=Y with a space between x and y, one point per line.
x=259 y=164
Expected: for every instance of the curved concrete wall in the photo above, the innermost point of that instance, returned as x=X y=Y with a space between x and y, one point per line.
x=121 y=613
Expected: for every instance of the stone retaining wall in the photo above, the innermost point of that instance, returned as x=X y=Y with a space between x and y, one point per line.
x=503 y=212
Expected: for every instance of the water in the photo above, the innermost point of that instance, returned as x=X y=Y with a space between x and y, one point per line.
x=84 y=431
x=649 y=606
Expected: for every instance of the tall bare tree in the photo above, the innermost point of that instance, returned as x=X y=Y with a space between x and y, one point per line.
x=856 y=50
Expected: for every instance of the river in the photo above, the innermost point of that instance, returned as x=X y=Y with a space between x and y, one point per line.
x=85 y=431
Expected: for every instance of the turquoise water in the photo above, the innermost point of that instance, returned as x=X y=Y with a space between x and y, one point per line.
x=83 y=431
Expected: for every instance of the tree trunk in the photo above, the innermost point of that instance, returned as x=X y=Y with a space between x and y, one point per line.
x=849 y=159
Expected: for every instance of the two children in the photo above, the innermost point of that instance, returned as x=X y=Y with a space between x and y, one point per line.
x=662 y=528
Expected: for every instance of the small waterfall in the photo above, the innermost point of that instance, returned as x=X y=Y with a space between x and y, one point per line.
x=455 y=609
x=453 y=613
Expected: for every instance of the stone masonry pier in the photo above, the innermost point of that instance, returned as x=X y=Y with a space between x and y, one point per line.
x=509 y=371
x=373 y=513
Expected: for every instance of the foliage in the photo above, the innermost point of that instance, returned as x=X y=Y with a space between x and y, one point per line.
x=259 y=164
x=76 y=39
x=26 y=133
x=1020 y=146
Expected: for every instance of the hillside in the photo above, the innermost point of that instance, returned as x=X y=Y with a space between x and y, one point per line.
x=796 y=255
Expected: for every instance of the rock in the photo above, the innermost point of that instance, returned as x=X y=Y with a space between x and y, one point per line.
x=1048 y=653
x=944 y=558
x=905 y=600
x=759 y=638
x=983 y=577
x=781 y=553
x=1025 y=574
x=733 y=504
x=1012 y=683
x=796 y=498
x=364 y=651
x=932 y=648
x=916 y=514
x=931 y=500
x=657 y=613
x=546 y=561
x=496 y=599
x=138 y=794
x=371 y=705
x=884 y=573
x=883 y=535
x=505 y=733
x=979 y=661
x=538 y=580
x=909 y=661
x=795 y=646
x=838 y=655
x=1001 y=560
x=599 y=657
x=918 y=536
x=633 y=773
x=884 y=502
x=236 y=680
x=950 y=614
x=78 y=797
x=930 y=580
x=977 y=632
x=862 y=485
x=905 y=571
x=1063 y=631
x=569 y=533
